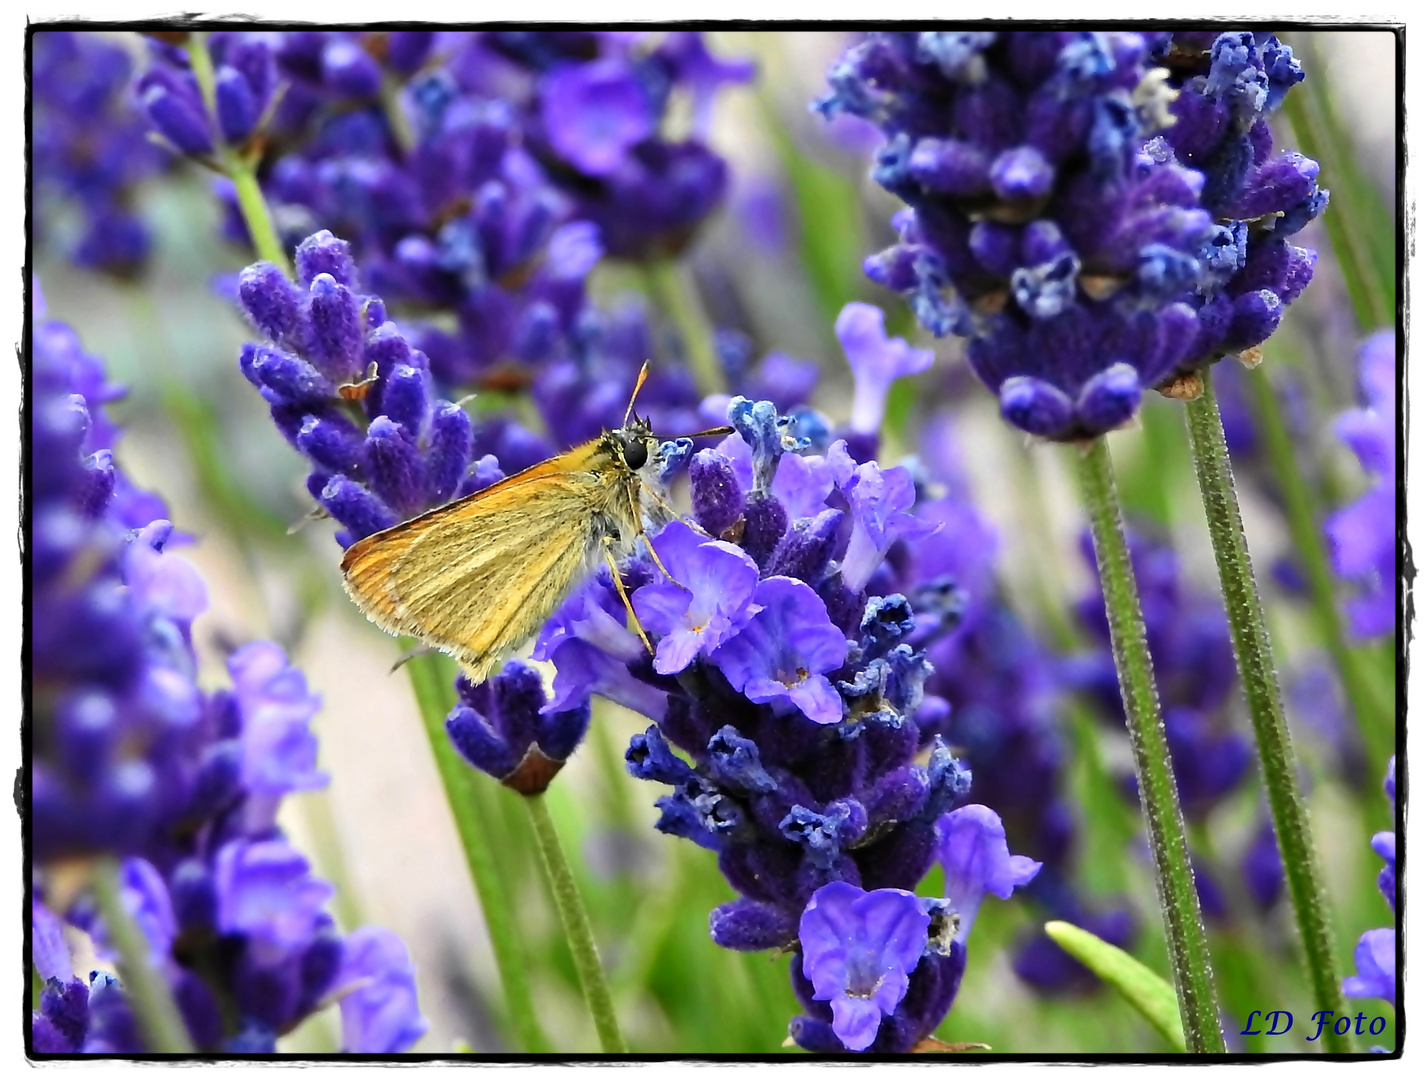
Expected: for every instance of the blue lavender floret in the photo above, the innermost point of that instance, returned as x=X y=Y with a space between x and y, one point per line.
x=133 y=759
x=89 y=150
x=1051 y=224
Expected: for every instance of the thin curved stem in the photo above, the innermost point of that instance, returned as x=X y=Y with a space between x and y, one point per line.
x=577 y=926
x=1159 y=799
x=160 y=1023
x=1255 y=659
x=237 y=166
x=432 y=684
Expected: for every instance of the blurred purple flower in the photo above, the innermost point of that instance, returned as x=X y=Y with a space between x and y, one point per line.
x=378 y=994
x=1375 y=958
x=1363 y=536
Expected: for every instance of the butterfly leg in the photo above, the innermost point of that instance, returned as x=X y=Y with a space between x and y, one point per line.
x=624 y=596
x=640 y=529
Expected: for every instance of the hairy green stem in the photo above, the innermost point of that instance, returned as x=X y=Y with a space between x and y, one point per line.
x=1160 y=802
x=160 y=1024
x=672 y=287
x=237 y=166
x=1373 y=712
x=1256 y=664
x=431 y=678
x=577 y=926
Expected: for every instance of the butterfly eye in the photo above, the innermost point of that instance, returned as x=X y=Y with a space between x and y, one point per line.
x=636 y=453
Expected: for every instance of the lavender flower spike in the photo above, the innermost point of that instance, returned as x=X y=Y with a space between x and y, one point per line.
x=858 y=950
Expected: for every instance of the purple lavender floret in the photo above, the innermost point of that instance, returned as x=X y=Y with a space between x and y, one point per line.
x=133 y=759
x=858 y=950
x=1051 y=224
x=1363 y=542
x=89 y=150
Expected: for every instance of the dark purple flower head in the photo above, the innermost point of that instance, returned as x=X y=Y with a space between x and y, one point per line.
x=858 y=950
x=505 y=727
x=1052 y=225
x=1363 y=536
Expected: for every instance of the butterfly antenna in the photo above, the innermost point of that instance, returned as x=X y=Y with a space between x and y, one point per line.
x=639 y=382
x=707 y=433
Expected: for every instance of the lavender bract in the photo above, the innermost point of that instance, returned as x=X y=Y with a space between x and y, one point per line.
x=133 y=759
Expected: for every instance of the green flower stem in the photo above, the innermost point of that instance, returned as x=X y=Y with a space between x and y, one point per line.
x=1256 y=664
x=237 y=166
x=431 y=678
x=577 y=926
x=160 y=1024
x=1373 y=711
x=672 y=287
x=1160 y=803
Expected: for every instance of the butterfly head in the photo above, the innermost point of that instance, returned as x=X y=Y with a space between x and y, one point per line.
x=633 y=444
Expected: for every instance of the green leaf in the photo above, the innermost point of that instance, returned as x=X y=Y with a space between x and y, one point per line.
x=1147 y=992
